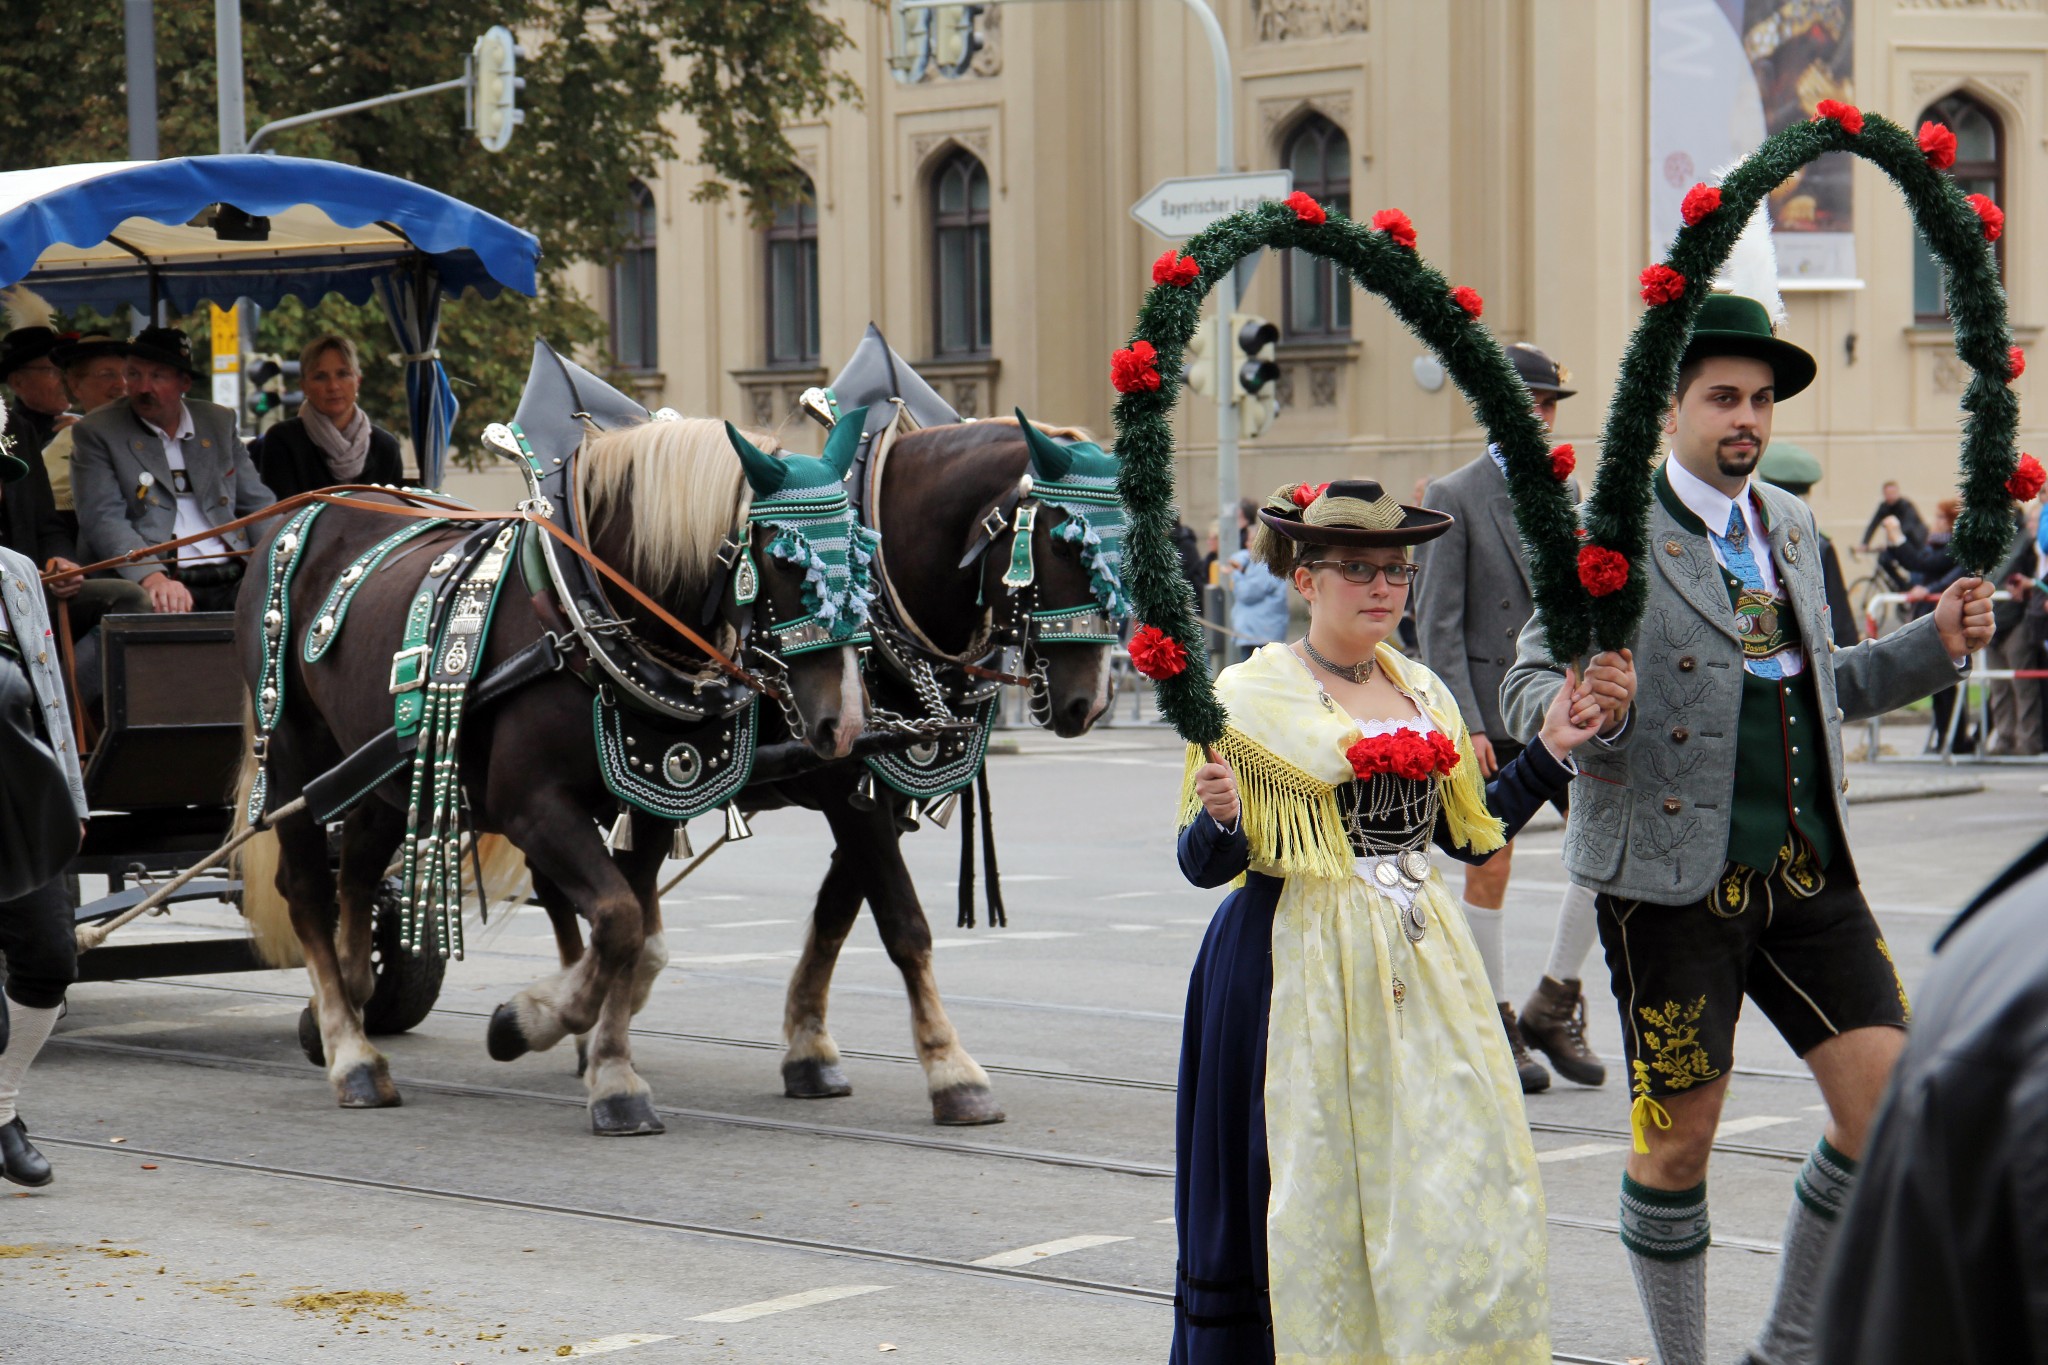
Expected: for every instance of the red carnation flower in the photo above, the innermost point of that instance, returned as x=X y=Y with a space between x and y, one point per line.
x=1306 y=208
x=1446 y=752
x=1939 y=144
x=1602 y=570
x=2015 y=363
x=1992 y=216
x=1848 y=115
x=1156 y=654
x=1563 y=460
x=1467 y=298
x=1133 y=370
x=1700 y=200
x=1661 y=284
x=1404 y=753
x=1175 y=269
x=1306 y=493
x=2026 y=481
x=1396 y=225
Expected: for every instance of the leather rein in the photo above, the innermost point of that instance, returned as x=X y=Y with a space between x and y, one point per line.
x=427 y=507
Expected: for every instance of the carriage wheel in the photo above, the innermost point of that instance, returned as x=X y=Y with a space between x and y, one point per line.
x=407 y=983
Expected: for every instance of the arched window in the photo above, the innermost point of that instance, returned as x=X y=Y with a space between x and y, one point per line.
x=960 y=266
x=1979 y=169
x=634 y=315
x=1318 y=298
x=792 y=274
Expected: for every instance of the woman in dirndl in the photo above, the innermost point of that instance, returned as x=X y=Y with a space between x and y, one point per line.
x=1355 y=1182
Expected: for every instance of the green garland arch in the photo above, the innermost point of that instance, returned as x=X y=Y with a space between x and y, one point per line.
x=1617 y=515
x=1420 y=297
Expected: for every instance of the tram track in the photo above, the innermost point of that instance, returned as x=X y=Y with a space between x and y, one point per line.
x=1026 y=1072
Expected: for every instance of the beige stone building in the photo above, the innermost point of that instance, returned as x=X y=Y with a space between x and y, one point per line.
x=976 y=207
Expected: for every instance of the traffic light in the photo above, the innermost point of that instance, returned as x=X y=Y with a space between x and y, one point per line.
x=1258 y=401
x=495 y=87
x=267 y=395
x=1198 y=362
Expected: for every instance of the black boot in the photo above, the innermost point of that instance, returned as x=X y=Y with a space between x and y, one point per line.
x=1535 y=1079
x=20 y=1162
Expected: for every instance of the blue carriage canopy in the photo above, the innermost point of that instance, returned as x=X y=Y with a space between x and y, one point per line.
x=119 y=234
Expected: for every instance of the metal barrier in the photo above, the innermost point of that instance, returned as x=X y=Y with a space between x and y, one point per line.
x=1979 y=673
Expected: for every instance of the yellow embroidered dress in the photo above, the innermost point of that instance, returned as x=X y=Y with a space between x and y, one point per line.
x=1356 y=1183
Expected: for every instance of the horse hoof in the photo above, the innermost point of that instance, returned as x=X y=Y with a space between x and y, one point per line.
x=812 y=1079
x=504 y=1039
x=309 y=1038
x=963 y=1106
x=367 y=1086
x=625 y=1116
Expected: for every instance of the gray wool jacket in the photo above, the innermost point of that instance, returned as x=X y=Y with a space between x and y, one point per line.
x=1473 y=597
x=120 y=511
x=1650 y=813
x=28 y=618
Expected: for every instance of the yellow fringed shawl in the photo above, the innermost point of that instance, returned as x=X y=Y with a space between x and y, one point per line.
x=1287 y=750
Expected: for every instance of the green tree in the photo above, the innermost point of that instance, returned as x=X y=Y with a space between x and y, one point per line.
x=607 y=86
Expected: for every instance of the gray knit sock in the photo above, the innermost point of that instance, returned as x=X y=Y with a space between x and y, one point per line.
x=1667 y=1236
x=1822 y=1190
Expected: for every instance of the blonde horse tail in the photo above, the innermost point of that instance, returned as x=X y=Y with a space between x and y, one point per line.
x=256 y=863
x=505 y=873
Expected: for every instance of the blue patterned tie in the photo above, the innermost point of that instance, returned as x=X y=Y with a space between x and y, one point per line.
x=1734 y=547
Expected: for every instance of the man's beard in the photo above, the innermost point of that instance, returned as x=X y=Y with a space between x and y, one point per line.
x=1735 y=464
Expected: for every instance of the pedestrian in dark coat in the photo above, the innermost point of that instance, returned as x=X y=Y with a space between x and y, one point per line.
x=1941 y=1253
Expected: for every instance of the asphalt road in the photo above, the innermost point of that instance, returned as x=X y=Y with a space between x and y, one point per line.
x=213 y=1204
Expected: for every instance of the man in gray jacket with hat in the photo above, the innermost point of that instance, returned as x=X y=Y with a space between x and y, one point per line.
x=1717 y=877
x=158 y=466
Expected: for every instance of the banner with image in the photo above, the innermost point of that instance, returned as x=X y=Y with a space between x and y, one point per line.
x=1726 y=74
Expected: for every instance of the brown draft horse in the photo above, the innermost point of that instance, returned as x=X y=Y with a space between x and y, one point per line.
x=660 y=500
x=936 y=491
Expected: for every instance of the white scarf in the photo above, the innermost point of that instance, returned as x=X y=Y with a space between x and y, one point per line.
x=346 y=448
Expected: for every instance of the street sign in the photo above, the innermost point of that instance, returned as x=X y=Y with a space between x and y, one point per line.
x=1183 y=206
x=227 y=356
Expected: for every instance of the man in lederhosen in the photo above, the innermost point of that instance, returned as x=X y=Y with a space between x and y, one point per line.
x=42 y=807
x=1721 y=877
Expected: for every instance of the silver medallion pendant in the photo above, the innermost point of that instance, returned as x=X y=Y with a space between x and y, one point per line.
x=1415 y=865
x=1413 y=922
x=1386 y=874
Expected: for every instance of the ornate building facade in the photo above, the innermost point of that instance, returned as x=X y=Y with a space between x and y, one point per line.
x=976 y=207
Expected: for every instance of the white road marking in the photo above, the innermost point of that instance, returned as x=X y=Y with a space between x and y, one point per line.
x=747 y=1312
x=1127 y=895
x=1040 y=1250
x=1020 y=877
x=782 y=955
x=1163 y=1220
x=1003 y=936
x=619 y=1341
x=1135 y=928
x=1583 y=1149
x=747 y=923
x=1751 y=1124
x=1816 y=1109
x=1202 y=920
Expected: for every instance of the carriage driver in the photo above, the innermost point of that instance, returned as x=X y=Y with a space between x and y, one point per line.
x=42 y=802
x=158 y=466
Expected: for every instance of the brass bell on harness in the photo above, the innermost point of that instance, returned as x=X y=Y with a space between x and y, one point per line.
x=863 y=797
x=736 y=827
x=679 y=843
x=940 y=811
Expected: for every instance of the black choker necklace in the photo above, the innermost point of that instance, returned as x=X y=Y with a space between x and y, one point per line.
x=1358 y=673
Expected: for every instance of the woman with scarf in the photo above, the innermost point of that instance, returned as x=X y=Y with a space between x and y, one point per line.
x=332 y=440
x=1355 y=1181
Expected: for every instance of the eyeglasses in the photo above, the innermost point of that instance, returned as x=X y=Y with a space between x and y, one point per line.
x=1363 y=571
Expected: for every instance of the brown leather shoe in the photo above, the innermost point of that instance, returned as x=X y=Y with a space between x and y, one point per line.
x=1554 y=1023
x=1535 y=1080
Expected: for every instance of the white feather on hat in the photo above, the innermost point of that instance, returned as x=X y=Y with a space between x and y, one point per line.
x=1751 y=269
x=26 y=308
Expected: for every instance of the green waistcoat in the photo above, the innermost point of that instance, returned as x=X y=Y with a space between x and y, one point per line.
x=1781 y=780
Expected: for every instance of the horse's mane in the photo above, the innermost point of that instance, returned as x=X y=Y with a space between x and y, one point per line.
x=680 y=485
x=960 y=438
